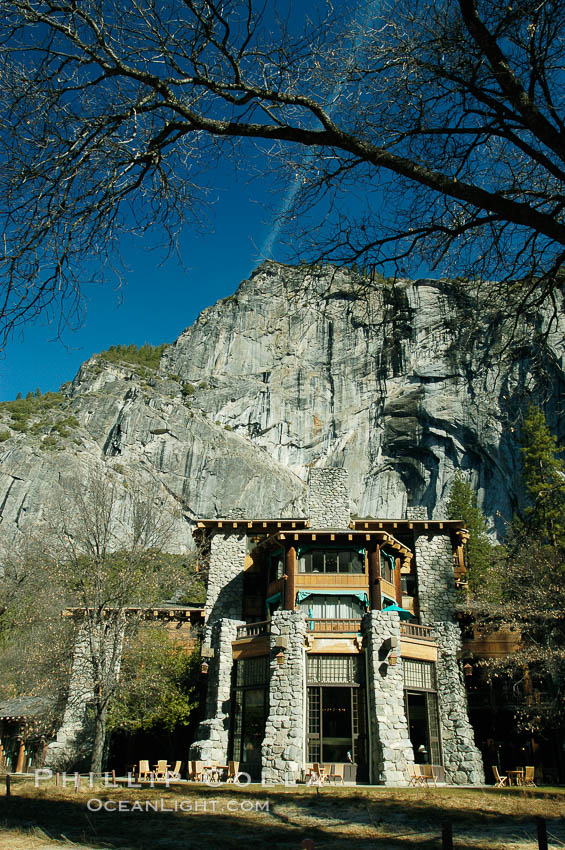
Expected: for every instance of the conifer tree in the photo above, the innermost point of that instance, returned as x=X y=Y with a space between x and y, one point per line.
x=544 y=480
x=463 y=505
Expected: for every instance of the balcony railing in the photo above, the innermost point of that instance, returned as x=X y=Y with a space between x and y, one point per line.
x=412 y=630
x=254 y=629
x=333 y=626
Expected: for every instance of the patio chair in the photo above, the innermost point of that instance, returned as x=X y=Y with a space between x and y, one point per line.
x=500 y=781
x=144 y=774
x=318 y=775
x=161 y=769
x=233 y=771
x=414 y=775
x=428 y=773
x=528 y=779
x=195 y=774
x=335 y=773
x=175 y=773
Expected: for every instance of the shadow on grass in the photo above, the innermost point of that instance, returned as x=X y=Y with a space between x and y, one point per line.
x=228 y=817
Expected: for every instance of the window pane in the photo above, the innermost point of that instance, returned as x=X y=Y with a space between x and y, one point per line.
x=317 y=562
x=419 y=674
x=305 y=563
x=331 y=562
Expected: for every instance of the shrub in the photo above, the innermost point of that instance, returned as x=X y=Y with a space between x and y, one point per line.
x=5 y=435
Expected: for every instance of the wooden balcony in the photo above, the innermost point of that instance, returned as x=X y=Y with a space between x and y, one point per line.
x=412 y=630
x=329 y=626
x=254 y=629
x=332 y=581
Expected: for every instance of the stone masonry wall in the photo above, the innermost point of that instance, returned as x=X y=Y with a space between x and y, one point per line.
x=436 y=582
x=282 y=751
x=462 y=760
x=213 y=732
x=224 y=595
x=328 y=498
x=391 y=748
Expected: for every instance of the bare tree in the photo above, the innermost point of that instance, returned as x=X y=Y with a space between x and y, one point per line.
x=443 y=120
x=107 y=580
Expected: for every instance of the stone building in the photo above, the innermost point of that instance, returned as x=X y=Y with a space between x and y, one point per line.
x=334 y=639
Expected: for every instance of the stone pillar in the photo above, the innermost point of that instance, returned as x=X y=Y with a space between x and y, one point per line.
x=283 y=746
x=224 y=593
x=462 y=760
x=328 y=498
x=436 y=581
x=391 y=750
x=213 y=732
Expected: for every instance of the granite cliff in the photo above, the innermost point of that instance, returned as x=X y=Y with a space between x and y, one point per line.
x=401 y=383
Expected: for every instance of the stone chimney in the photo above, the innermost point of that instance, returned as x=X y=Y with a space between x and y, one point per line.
x=328 y=498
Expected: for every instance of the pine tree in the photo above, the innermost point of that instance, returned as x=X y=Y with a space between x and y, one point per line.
x=463 y=505
x=544 y=480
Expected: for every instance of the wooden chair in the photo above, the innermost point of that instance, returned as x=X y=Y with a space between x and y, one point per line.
x=195 y=774
x=161 y=769
x=307 y=772
x=175 y=773
x=318 y=775
x=528 y=779
x=144 y=773
x=335 y=773
x=233 y=771
x=500 y=781
x=414 y=775
x=428 y=774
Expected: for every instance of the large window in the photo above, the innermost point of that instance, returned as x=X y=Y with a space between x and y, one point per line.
x=336 y=711
x=387 y=566
x=332 y=607
x=332 y=561
x=249 y=715
x=422 y=710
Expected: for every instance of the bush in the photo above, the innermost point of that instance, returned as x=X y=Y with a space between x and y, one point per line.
x=5 y=435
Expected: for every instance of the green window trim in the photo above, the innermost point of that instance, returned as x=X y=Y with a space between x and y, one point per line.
x=360 y=594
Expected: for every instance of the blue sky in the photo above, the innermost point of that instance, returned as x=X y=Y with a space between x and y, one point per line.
x=157 y=301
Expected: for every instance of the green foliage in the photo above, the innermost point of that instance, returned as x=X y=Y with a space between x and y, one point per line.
x=479 y=551
x=159 y=683
x=4 y=435
x=544 y=479
x=204 y=385
x=187 y=390
x=49 y=443
x=532 y=588
x=144 y=355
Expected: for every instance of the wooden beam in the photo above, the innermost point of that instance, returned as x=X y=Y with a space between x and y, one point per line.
x=290 y=584
x=375 y=578
x=397 y=582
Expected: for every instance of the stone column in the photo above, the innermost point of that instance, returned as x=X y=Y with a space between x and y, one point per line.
x=224 y=593
x=462 y=760
x=283 y=746
x=213 y=732
x=388 y=729
x=436 y=581
x=328 y=498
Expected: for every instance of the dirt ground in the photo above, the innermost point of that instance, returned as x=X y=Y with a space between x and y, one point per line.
x=189 y=816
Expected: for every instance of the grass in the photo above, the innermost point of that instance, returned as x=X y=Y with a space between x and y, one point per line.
x=231 y=817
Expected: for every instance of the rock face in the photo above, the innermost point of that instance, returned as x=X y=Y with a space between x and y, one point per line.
x=400 y=384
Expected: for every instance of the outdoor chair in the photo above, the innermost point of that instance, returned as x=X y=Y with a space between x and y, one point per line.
x=414 y=775
x=529 y=776
x=318 y=775
x=175 y=773
x=428 y=774
x=307 y=772
x=500 y=781
x=335 y=774
x=196 y=771
x=144 y=773
x=233 y=771
x=161 y=769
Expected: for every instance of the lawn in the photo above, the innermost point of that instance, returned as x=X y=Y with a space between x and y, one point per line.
x=197 y=816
